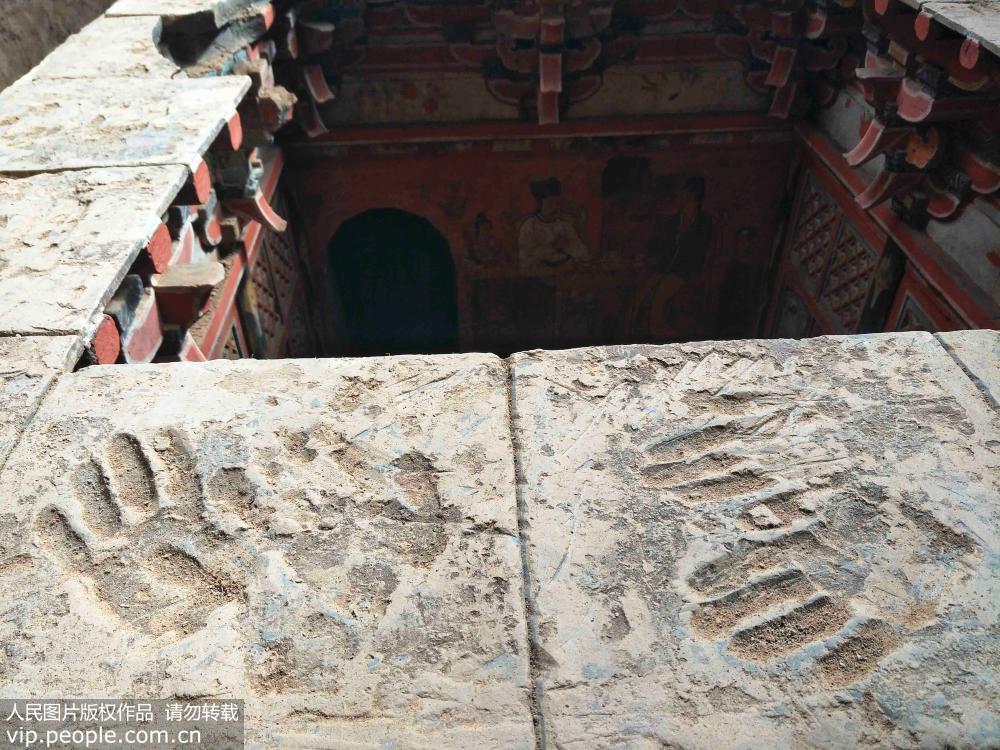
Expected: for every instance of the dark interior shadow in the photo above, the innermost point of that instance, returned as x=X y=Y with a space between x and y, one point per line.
x=394 y=277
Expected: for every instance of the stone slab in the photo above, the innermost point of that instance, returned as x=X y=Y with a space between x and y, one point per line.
x=760 y=544
x=222 y=11
x=110 y=47
x=67 y=240
x=979 y=20
x=917 y=4
x=27 y=368
x=978 y=352
x=333 y=540
x=48 y=125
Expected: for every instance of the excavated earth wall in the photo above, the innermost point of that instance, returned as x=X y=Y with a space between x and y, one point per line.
x=30 y=29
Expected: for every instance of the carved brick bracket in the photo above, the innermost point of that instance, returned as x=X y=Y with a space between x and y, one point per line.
x=295 y=63
x=546 y=54
x=936 y=98
x=794 y=52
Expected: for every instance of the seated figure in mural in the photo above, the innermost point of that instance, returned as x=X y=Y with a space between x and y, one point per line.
x=484 y=247
x=550 y=237
x=674 y=255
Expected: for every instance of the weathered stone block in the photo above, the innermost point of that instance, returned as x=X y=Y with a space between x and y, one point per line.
x=335 y=541
x=110 y=47
x=113 y=122
x=979 y=353
x=219 y=12
x=28 y=366
x=58 y=272
x=762 y=544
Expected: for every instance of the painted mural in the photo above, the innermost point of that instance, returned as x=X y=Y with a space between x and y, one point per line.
x=577 y=242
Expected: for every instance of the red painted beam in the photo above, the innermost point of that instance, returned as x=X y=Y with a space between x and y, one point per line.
x=316 y=84
x=234 y=128
x=224 y=314
x=781 y=66
x=254 y=233
x=257 y=209
x=107 y=345
x=877 y=140
x=182 y=252
x=969 y=54
x=309 y=117
x=550 y=72
x=190 y=351
x=886 y=185
x=159 y=249
x=783 y=101
x=985 y=175
x=198 y=187
x=314 y=37
x=487 y=131
x=916 y=103
x=143 y=338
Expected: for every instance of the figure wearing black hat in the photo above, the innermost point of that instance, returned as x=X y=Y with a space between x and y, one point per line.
x=549 y=238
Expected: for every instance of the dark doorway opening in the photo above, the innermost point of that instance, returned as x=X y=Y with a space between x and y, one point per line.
x=394 y=277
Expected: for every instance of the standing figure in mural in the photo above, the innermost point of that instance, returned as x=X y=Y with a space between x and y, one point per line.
x=628 y=210
x=739 y=296
x=550 y=237
x=674 y=255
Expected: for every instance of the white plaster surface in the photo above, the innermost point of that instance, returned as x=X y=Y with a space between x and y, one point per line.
x=333 y=540
x=762 y=544
x=67 y=240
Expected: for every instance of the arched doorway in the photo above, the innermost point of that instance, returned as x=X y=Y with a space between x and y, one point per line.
x=393 y=274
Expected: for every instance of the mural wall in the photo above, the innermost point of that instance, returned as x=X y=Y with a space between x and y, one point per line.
x=573 y=242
